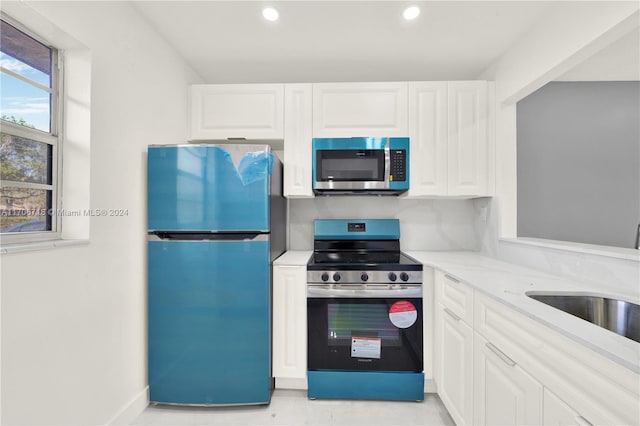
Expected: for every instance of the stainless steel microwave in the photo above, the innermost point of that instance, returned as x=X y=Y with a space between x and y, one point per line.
x=360 y=166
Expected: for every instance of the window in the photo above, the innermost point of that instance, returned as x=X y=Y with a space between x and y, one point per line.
x=29 y=131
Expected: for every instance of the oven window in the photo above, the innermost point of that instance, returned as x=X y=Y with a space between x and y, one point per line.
x=357 y=320
x=350 y=165
x=358 y=334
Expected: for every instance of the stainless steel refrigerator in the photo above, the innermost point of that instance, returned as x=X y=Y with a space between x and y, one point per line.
x=216 y=221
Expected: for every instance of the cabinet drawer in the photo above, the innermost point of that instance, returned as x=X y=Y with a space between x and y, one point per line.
x=457 y=297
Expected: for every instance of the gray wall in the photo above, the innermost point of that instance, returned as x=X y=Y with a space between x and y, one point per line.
x=579 y=163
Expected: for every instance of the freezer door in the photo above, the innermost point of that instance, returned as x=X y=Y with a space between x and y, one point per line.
x=209 y=322
x=209 y=187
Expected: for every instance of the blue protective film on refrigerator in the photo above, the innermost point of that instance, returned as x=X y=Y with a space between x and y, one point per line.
x=255 y=166
x=209 y=188
x=209 y=322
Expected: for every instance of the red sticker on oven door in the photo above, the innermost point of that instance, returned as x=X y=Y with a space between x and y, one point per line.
x=403 y=314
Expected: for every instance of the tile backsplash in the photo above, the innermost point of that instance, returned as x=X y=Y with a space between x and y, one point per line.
x=424 y=224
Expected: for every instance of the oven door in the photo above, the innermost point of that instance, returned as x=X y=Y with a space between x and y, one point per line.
x=365 y=333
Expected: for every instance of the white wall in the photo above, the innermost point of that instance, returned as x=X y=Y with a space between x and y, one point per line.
x=559 y=42
x=74 y=319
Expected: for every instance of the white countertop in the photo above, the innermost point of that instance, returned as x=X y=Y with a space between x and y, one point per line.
x=294 y=258
x=508 y=283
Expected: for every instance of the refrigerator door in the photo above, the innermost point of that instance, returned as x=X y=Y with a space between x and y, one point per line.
x=209 y=322
x=209 y=187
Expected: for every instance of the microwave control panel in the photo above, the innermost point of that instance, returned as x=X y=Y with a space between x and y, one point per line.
x=398 y=169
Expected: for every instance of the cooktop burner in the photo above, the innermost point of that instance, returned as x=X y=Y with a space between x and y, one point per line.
x=349 y=260
x=360 y=251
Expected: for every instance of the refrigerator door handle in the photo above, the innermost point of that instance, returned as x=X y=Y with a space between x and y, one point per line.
x=206 y=236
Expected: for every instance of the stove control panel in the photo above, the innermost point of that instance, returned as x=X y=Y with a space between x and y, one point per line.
x=358 y=277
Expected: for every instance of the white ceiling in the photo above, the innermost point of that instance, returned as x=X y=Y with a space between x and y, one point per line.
x=230 y=42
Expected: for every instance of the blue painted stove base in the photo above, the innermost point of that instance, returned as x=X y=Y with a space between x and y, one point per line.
x=366 y=385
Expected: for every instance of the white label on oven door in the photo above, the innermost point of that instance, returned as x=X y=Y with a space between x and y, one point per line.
x=365 y=347
x=403 y=314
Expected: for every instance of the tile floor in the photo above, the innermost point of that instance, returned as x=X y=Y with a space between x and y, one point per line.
x=292 y=407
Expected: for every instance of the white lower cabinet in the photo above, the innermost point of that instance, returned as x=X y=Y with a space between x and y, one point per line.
x=289 y=322
x=504 y=393
x=454 y=346
x=496 y=366
x=456 y=367
x=600 y=390
x=556 y=412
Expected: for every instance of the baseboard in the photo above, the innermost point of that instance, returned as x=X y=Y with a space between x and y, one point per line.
x=132 y=409
x=430 y=386
x=287 y=383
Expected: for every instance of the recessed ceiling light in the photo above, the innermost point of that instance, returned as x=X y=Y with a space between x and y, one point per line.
x=411 y=13
x=270 y=14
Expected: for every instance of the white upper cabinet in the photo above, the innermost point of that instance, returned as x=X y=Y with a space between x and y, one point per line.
x=428 y=133
x=230 y=111
x=360 y=109
x=297 y=141
x=468 y=154
x=448 y=130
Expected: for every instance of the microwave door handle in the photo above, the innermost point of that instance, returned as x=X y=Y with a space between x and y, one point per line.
x=387 y=163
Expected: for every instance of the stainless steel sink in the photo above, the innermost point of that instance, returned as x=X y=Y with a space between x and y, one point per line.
x=619 y=316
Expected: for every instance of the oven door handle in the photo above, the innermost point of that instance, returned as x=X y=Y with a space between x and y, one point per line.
x=362 y=291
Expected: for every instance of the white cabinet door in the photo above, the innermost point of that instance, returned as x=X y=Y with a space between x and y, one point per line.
x=455 y=381
x=449 y=147
x=297 y=140
x=428 y=133
x=504 y=393
x=244 y=111
x=556 y=412
x=289 y=321
x=467 y=133
x=454 y=346
x=360 y=109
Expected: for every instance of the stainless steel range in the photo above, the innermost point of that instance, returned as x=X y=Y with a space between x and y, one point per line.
x=364 y=312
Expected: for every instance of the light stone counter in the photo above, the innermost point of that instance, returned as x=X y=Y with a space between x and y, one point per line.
x=508 y=284
x=294 y=258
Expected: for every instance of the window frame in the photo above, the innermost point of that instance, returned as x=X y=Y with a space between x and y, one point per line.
x=54 y=138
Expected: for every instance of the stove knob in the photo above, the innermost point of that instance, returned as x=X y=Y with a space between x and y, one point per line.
x=392 y=276
x=404 y=276
x=324 y=277
x=364 y=277
x=336 y=277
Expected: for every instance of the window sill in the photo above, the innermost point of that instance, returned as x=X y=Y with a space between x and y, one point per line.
x=606 y=251
x=40 y=245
